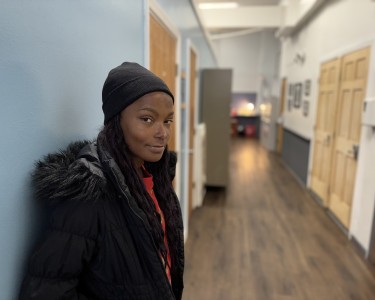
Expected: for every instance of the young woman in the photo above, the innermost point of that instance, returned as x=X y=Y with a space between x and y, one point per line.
x=115 y=230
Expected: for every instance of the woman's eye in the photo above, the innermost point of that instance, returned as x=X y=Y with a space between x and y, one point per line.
x=146 y=119
x=170 y=121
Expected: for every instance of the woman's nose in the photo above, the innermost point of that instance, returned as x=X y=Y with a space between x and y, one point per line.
x=162 y=131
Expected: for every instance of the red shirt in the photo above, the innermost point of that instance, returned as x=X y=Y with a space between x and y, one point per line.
x=149 y=183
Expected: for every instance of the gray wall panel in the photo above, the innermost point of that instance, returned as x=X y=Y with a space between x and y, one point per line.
x=295 y=154
x=216 y=95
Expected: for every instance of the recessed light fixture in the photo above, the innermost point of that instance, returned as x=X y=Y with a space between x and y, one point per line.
x=250 y=106
x=217 y=5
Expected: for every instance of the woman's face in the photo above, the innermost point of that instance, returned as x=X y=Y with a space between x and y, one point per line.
x=146 y=124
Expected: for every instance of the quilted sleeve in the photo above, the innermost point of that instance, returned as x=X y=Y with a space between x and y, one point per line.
x=68 y=246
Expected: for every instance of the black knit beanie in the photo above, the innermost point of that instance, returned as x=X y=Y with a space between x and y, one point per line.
x=127 y=83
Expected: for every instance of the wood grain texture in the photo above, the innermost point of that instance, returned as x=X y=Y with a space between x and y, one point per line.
x=265 y=238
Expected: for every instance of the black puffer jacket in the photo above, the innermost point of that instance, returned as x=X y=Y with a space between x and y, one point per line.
x=98 y=243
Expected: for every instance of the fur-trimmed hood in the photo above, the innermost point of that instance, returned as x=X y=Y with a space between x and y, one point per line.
x=75 y=173
x=69 y=174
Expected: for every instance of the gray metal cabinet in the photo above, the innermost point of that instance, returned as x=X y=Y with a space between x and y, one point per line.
x=216 y=93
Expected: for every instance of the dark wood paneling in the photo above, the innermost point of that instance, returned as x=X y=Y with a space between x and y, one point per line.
x=265 y=238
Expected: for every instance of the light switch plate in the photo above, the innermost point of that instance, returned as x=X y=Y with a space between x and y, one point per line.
x=368 y=117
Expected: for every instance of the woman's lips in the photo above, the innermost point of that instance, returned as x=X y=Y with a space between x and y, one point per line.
x=157 y=149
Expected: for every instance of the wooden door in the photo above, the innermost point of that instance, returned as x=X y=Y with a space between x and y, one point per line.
x=325 y=128
x=354 y=71
x=280 y=129
x=192 y=93
x=163 y=59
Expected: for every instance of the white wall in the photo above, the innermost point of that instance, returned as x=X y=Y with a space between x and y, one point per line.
x=242 y=55
x=338 y=28
x=251 y=57
x=330 y=33
x=364 y=194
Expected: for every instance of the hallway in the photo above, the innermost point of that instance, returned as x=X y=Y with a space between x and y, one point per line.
x=265 y=238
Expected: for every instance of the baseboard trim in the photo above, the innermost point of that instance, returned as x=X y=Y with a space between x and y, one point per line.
x=337 y=222
x=358 y=247
x=316 y=198
x=294 y=174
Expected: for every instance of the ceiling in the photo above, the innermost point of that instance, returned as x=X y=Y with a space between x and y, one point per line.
x=225 y=28
x=245 y=2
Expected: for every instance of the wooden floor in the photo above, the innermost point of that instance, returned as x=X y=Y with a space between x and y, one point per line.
x=265 y=238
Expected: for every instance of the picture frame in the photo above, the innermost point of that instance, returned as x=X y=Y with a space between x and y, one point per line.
x=290 y=104
x=297 y=95
x=307 y=87
x=290 y=89
x=305 y=108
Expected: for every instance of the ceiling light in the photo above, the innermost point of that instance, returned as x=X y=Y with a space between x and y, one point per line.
x=217 y=5
x=250 y=106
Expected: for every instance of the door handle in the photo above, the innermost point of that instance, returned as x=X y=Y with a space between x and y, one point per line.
x=354 y=151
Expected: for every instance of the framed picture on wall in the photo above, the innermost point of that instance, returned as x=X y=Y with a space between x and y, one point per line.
x=307 y=87
x=290 y=89
x=297 y=95
x=305 y=108
x=290 y=104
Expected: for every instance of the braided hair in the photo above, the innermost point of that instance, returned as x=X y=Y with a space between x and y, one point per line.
x=112 y=138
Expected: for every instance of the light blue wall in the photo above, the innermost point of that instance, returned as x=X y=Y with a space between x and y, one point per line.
x=54 y=57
